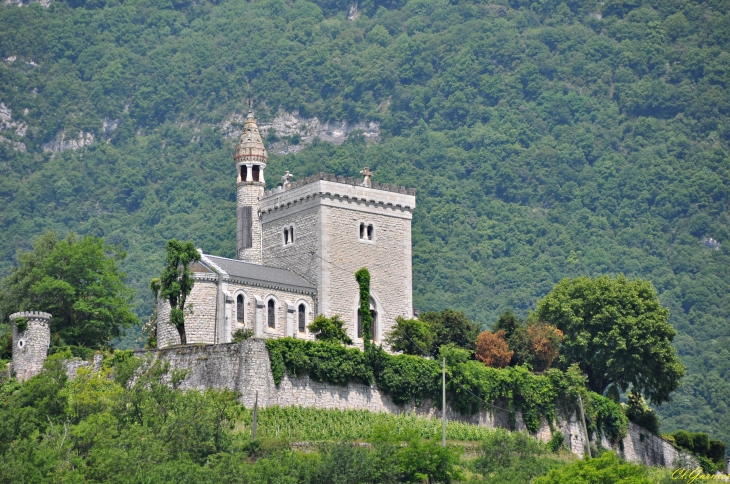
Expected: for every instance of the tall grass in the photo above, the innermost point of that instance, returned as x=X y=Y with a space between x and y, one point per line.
x=310 y=424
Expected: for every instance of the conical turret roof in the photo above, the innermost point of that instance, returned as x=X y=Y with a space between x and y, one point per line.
x=250 y=146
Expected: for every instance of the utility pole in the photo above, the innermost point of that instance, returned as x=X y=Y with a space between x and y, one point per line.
x=443 y=402
x=255 y=416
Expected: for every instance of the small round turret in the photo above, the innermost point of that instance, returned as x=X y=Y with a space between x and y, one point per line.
x=250 y=158
x=251 y=155
x=31 y=339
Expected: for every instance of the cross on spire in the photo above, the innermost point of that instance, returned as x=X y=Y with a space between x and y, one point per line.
x=367 y=174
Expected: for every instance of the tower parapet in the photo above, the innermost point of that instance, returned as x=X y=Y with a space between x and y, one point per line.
x=251 y=158
x=31 y=339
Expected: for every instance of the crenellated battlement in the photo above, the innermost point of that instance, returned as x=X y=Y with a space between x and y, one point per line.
x=355 y=182
x=36 y=315
x=30 y=346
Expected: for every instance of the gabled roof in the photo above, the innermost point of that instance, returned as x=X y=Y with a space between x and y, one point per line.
x=258 y=274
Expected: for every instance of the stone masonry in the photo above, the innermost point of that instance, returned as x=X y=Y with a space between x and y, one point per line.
x=211 y=312
x=200 y=312
x=30 y=347
x=326 y=213
x=246 y=369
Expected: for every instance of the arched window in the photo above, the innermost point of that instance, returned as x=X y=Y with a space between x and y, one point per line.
x=373 y=326
x=271 y=314
x=240 y=309
x=302 y=318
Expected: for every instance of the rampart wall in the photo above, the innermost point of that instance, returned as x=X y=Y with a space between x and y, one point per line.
x=245 y=368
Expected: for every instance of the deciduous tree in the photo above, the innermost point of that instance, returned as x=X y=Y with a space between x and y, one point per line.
x=617 y=332
x=492 y=349
x=177 y=281
x=78 y=282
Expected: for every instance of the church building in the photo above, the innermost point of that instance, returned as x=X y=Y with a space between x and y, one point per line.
x=298 y=247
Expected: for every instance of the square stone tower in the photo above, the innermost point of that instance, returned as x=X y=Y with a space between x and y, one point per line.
x=325 y=228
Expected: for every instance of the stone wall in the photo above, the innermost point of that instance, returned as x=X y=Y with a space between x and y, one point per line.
x=249 y=194
x=387 y=257
x=30 y=347
x=245 y=368
x=286 y=306
x=200 y=314
x=301 y=256
x=326 y=212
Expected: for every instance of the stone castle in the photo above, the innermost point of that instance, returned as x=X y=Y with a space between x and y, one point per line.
x=298 y=247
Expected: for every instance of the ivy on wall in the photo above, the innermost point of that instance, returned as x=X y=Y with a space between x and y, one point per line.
x=471 y=386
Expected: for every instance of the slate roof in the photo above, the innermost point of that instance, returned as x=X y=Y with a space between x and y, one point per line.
x=260 y=274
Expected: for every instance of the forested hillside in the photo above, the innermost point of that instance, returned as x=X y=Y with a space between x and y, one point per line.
x=545 y=140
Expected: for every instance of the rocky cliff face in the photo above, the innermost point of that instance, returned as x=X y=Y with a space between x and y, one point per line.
x=15 y=127
x=292 y=131
x=61 y=143
x=21 y=3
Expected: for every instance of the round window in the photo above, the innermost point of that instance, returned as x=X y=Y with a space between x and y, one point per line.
x=21 y=343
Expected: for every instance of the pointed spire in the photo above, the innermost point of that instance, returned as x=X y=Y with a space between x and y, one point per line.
x=250 y=146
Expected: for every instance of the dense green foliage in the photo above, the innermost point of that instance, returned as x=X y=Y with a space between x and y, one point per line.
x=545 y=139
x=432 y=330
x=329 y=329
x=514 y=458
x=617 y=331
x=606 y=469
x=639 y=412
x=78 y=282
x=470 y=385
x=711 y=452
x=96 y=428
x=411 y=336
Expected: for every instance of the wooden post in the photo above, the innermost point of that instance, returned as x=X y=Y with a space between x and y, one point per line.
x=585 y=427
x=443 y=402
x=255 y=416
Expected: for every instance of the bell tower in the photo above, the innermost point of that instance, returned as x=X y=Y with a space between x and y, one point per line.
x=250 y=159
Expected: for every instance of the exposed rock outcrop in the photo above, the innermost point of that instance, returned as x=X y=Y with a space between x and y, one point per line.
x=7 y=124
x=295 y=131
x=60 y=143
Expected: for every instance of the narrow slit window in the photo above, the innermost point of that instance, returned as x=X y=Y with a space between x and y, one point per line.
x=362 y=231
x=271 y=314
x=302 y=318
x=370 y=232
x=286 y=236
x=240 y=309
x=291 y=234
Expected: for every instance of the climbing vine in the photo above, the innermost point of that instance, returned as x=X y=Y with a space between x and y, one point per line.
x=362 y=277
x=21 y=324
x=471 y=386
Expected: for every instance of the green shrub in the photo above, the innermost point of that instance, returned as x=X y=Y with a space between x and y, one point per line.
x=557 y=442
x=242 y=334
x=471 y=386
x=514 y=457
x=21 y=324
x=638 y=412
x=606 y=469
x=329 y=329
